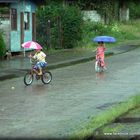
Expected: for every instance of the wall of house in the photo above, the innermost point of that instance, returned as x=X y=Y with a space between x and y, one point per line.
x=92 y=15
x=15 y=41
x=124 y=14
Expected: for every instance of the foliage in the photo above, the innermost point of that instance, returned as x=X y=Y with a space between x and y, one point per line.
x=47 y=17
x=72 y=26
x=64 y=28
x=67 y=27
x=120 y=31
x=2 y=45
x=4 y=10
x=107 y=9
x=134 y=7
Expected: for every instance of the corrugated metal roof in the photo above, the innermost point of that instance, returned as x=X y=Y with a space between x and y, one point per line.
x=13 y=1
x=8 y=1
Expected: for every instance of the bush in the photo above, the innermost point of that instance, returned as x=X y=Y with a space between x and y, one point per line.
x=72 y=21
x=120 y=31
x=64 y=28
x=2 y=46
x=134 y=10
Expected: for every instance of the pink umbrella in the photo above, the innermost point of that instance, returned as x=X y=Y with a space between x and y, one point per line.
x=31 y=45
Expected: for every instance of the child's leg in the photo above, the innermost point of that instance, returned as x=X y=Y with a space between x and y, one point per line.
x=40 y=69
x=102 y=60
x=35 y=68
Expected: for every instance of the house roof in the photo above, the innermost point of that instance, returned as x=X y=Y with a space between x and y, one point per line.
x=14 y=1
x=8 y=1
x=39 y=2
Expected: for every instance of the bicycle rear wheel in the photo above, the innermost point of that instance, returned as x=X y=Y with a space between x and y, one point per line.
x=46 y=77
x=28 y=78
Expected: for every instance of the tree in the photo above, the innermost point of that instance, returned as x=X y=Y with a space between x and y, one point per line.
x=65 y=25
x=124 y=10
x=2 y=45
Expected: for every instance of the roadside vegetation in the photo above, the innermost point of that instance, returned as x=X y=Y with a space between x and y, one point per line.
x=2 y=45
x=105 y=117
x=58 y=26
x=63 y=27
x=124 y=33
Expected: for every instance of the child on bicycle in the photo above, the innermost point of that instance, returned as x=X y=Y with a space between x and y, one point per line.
x=100 y=53
x=40 y=56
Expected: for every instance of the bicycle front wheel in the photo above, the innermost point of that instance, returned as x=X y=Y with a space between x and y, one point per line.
x=28 y=78
x=97 y=66
x=46 y=77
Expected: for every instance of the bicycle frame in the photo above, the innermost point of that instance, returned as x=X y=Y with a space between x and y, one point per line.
x=98 y=65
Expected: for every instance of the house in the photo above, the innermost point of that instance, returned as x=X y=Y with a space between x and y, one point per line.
x=18 y=22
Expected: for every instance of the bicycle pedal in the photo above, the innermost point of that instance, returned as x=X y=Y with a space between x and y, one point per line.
x=37 y=77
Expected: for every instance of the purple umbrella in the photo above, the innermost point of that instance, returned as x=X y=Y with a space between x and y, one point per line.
x=104 y=39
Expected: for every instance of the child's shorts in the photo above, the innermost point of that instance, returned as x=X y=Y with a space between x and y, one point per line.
x=40 y=65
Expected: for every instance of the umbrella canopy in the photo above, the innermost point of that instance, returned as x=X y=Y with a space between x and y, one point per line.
x=31 y=45
x=104 y=39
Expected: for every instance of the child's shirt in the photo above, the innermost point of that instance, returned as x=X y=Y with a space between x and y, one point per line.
x=40 y=56
x=100 y=50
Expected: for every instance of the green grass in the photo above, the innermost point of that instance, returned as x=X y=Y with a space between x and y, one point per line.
x=106 y=117
x=132 y=27
x=112 y=129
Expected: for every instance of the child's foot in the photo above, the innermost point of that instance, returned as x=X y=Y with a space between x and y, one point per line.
x=104 y=68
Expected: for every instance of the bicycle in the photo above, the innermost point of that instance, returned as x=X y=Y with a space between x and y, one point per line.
x=46 y=76
x=98 y=65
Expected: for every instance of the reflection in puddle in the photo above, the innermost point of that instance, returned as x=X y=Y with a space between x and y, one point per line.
x=36 y=89
x=100 y=75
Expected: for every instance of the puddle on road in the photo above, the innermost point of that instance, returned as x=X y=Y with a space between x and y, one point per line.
x=37 y=88
x=100 y=75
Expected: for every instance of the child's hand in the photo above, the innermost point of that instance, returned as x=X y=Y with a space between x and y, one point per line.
x=30 y=56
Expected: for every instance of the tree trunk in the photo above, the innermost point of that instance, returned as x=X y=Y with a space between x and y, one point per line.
x=124 y=11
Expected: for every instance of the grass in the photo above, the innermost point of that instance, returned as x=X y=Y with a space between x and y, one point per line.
x=106 y=117
x=112 y=129
x=132 y=27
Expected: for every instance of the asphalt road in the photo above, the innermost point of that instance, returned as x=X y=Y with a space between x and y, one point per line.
x=75 y=94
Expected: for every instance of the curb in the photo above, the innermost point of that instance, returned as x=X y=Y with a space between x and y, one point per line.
x=75 y=61
x=52 y=66
x=20 y=72
x=7 y=76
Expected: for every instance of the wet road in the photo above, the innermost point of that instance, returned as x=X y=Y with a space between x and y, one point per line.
x=75 y=95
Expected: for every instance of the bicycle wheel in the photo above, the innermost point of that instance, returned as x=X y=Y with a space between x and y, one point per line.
x=28 y=78
x=97 y=66
x=46 y=77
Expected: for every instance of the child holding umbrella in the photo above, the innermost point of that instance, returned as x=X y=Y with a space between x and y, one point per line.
x=100 y=53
